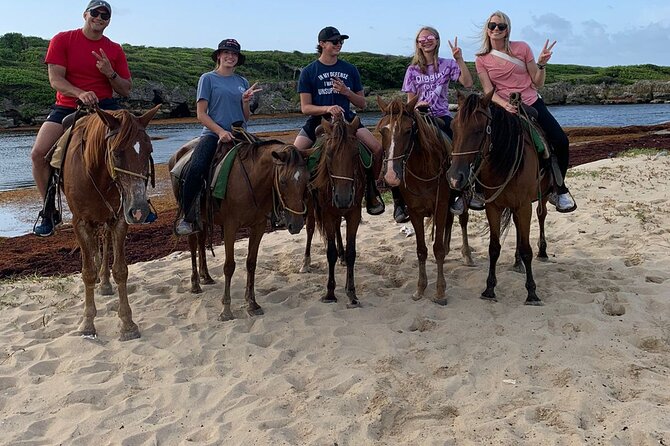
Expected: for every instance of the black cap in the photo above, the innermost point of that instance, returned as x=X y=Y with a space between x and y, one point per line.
x=230 y=45
x=331 y=33
x=95 y=4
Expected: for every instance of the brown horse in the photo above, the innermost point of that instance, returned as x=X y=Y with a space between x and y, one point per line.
x=105 y=174
x=417 y=161
x=493 y=149
x=262 y=172
x=338 y=188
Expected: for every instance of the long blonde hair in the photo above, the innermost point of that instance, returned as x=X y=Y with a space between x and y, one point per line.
x=486 y=42
x=419 y=59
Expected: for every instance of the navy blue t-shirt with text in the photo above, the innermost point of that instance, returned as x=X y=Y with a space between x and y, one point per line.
x=317 y=79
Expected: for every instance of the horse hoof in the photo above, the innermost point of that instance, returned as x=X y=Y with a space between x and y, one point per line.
x=543 y=258
x=535 y=303
x=207 y=281
x=355 y=303
x=486 y=295
x=440 y=301
x=417 y=296
x=106 y=290
x=255 y=311
x=196 y=290
x=226 y=316
x=328 y=300
x=129 y=335
x=305 y=270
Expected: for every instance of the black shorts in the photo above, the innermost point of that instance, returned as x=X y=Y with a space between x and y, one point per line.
x=309 y=129
x=58 y=112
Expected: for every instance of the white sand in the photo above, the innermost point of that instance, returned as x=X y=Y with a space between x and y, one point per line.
x=592 y=366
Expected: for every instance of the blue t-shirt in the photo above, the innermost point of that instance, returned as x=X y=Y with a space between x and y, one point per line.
x=316 y=79
x=224 y=99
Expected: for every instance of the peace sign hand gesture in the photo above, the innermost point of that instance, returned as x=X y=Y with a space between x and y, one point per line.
x=455 y=50
x=546 y=53
x=248 y=95
x=103 y=64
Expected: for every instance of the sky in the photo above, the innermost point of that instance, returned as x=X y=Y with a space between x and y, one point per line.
x=588 y=32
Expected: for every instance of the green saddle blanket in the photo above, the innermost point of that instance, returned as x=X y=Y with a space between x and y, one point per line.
x=540 y=143
x=222 y=172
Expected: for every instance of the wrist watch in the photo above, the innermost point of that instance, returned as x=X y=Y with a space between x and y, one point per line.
x=113 y=76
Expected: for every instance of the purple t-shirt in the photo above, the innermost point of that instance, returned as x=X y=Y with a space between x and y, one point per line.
x=432 y=87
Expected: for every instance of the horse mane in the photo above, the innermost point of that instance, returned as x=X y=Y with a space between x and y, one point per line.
x=506 y=130
x=95 y=131
x=251 y=150
x=336 y=140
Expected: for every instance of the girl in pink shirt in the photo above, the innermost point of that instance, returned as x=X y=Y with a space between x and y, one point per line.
x=508 y=67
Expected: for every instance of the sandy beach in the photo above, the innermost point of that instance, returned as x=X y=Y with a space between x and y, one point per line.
x=591 y=366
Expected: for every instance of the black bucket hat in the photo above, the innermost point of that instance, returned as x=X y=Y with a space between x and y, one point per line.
x=331 y=33
x=95 y=4
x=229 y=45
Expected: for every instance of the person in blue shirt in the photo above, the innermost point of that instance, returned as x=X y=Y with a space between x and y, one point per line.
x=223 y=98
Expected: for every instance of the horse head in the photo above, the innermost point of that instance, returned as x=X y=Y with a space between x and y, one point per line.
x=290 y=183
x=128 y=159
x=398 y=129
x=340 y=164
x=472 y=137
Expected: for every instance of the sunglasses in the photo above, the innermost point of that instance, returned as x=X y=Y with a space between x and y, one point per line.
x=337 y=41
x=96 y=13
x=427 y=39
x=501 y=26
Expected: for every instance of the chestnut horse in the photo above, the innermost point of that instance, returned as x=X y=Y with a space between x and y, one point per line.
x=105 y=174
x=493 y=149
x=417 y=162
x=263 y=174
x=338 y=189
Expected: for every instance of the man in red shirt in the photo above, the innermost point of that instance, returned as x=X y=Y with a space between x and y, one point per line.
x=83 y=65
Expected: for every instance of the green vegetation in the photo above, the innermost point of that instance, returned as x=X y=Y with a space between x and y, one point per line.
x=24 y=81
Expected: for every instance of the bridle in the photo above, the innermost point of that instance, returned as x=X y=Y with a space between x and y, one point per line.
x=278 y=195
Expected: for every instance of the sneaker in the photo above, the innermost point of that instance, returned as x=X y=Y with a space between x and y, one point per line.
x=400 y=214
x=152 y=217
x=551 y=198
x=184 y=228
x=375 y=206
x=457 y=207
x=47 y=225
x=565 y=203
x=477 y=202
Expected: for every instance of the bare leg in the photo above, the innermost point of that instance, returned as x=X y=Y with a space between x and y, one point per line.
x=46 y=137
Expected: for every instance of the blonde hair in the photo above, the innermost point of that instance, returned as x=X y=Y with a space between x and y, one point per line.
x=419 y=59
x=486 y=42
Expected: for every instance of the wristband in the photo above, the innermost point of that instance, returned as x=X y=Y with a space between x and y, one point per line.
x=113 y=76
x=540 y=66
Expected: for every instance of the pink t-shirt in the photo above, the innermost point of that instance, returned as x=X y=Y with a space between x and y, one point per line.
x=508 y=77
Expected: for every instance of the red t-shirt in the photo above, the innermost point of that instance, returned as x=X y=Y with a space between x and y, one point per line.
x=72 y=50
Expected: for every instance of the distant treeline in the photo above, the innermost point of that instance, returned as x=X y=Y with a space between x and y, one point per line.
x=24 y=82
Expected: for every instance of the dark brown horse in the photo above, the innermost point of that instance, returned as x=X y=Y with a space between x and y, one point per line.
x=338 y=188
x=261 y=170
x=417 y=162
x=493 y=149
x=105 y=174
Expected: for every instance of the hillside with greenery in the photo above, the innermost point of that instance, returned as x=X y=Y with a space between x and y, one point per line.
x=24 y=84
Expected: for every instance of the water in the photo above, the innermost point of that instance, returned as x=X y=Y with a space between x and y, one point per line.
x=15 y=165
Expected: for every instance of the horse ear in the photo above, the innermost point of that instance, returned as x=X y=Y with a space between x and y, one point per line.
x=412 y=103
x=325 y=126
x=110 y=121
x=460 y=98
x=486 y=100
x=382 y=104
x=148 y=116
x=355 y=124
x=282 y=156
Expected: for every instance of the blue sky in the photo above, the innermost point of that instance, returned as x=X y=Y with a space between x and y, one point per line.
x=589 y=32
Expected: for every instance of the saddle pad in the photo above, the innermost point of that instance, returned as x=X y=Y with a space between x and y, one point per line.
x=541 y=145
x=313 y=160
x=59 y=149
x=222 y=172
x=178 y=168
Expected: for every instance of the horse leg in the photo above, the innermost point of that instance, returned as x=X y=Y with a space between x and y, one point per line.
x=102 y=264
x=88 y=243
x=195 y=278
x=439 y=251
x=466 y=251
x=522 y=222
x=229 y=232
x=307 y=258
x=129 y=329
x=202 y=258
x=353 y=221
x=421 y=254
x=518 y=263
x=340 y=246
x=253 y=309
x=331 y=255
x=493 y=216
x=541 y=217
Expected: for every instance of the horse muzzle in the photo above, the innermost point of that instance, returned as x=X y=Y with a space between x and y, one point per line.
x=136 y=207
x=294 y=224
x=458 y=177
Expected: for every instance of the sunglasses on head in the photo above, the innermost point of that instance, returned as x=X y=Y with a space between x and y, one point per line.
x=501 y=26
x=96 y=13
x=427 y=39
x=337 y=41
